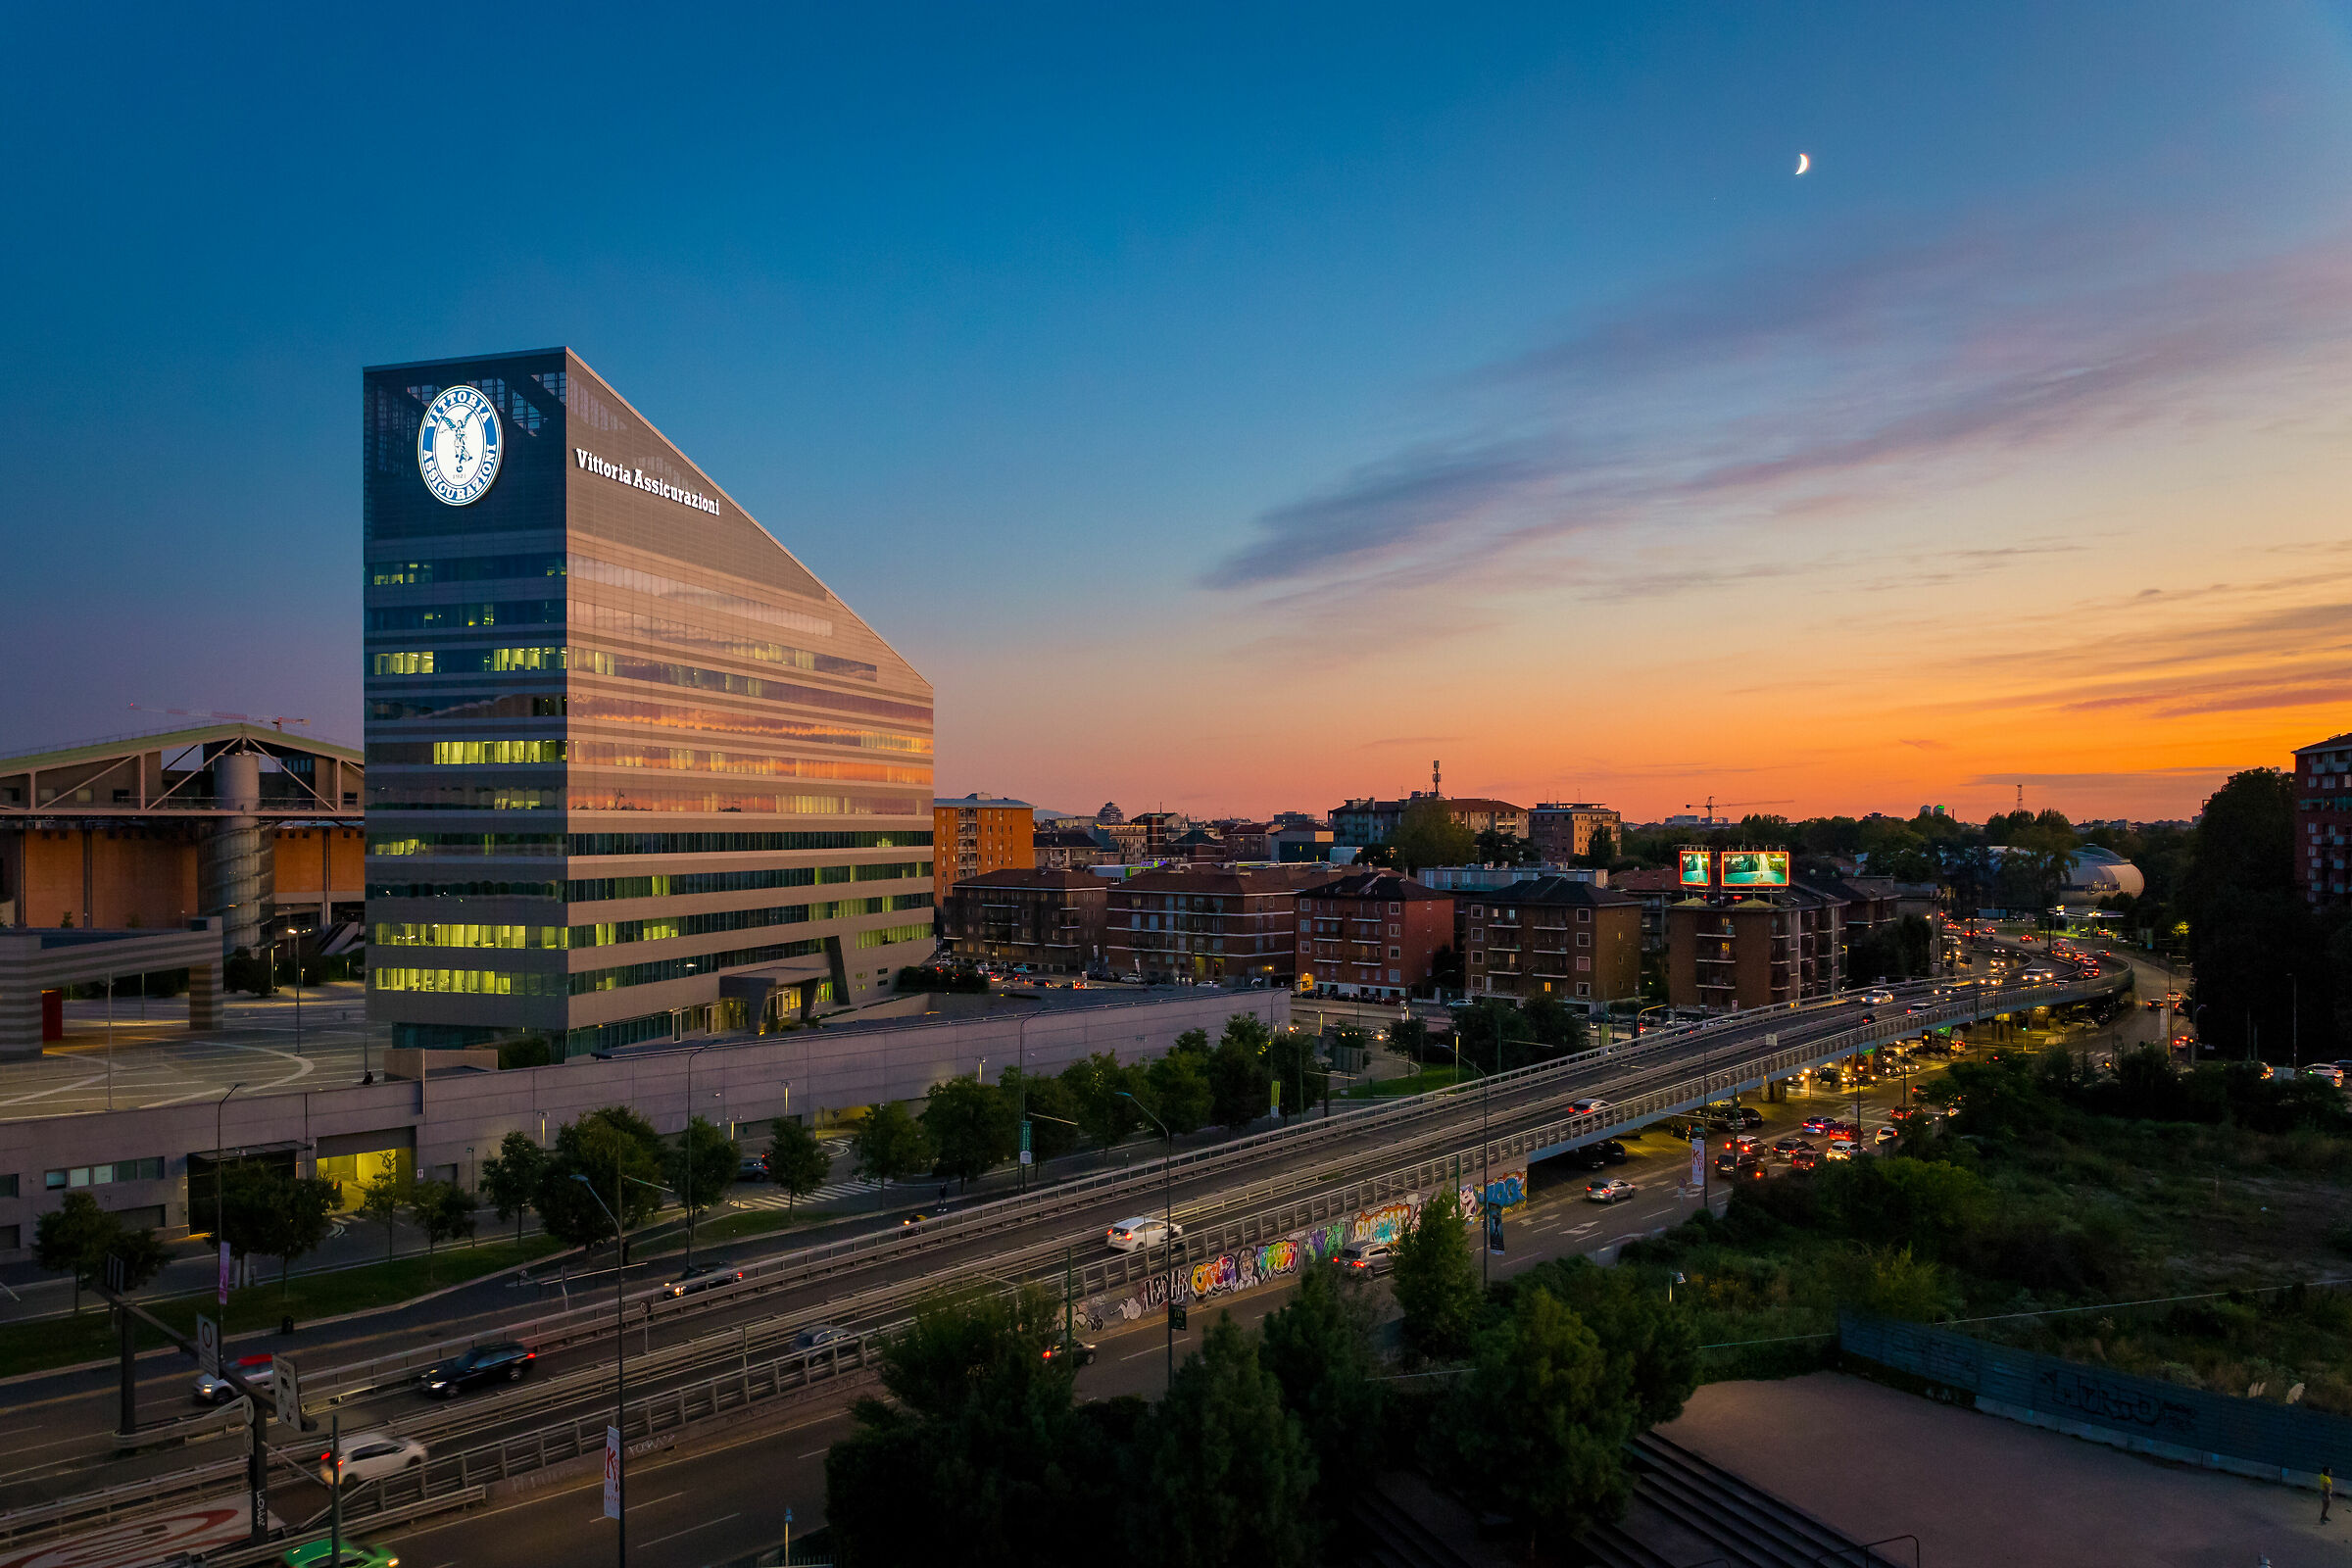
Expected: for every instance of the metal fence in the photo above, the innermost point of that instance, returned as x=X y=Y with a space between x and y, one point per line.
x=2280 y=1442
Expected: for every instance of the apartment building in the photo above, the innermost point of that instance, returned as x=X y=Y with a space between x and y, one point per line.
x=1562 y=831
x=974 y=834
x=1209 y=923
x=1371 y=934
x=2323 y=819
x=1562 y=937
x=1046 y=920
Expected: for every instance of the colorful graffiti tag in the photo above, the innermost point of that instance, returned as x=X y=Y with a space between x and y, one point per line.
x=1247 y=1268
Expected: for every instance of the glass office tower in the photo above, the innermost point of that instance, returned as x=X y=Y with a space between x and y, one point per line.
x=633 y=772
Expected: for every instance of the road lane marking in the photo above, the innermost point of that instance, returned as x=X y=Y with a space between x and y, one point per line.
x=813 y=1453
x=691 y=1529
x=1156 y=1349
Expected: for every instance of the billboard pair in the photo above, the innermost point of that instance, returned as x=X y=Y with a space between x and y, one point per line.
x=1735 y=868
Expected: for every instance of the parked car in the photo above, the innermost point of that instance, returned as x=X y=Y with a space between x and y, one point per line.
x=1610 y=1190
x=1369 y=1259
x=503 y=1362
x=210 y=1390
x=370 y=1456
x=1133 y=1234
x=1611 y=1150
x=702 y=1277
x=815 y=1336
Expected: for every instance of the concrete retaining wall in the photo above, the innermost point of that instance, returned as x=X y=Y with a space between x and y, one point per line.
x=458 y=1120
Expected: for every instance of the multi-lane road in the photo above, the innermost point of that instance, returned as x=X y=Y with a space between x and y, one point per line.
x=1027 y=1238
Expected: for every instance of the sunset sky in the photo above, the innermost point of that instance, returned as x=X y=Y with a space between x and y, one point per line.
x=1236 y=411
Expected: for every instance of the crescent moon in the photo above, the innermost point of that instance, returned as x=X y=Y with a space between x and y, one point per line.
x=1804 y=161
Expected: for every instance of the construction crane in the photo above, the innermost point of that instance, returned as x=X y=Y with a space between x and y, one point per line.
x=1712 y=802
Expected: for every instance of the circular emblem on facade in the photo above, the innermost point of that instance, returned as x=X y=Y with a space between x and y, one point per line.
x=458 y=446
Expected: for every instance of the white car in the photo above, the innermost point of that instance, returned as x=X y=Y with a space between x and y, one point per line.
x=1133 y=1234
x=253 y=1369
x=1879 y=999
x=2330 y=1071
x=1586 y=1107
x=370 y=1456
x=1609 y=1191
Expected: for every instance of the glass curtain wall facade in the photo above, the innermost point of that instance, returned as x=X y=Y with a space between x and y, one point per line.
x=633 y=772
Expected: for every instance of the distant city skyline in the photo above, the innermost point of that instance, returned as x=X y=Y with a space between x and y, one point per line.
x=1257 y=407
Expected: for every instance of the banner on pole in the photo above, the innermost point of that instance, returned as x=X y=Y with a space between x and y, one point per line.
x=225 y=1267
x=611 y=1472
x=1698 y=1162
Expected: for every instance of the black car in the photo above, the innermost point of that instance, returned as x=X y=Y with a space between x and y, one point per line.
x=506 y=1362
x=1587 y=1157
x=1077 y=1351
x=1611 y=1152
x=702 y=1277
x=751 y=1168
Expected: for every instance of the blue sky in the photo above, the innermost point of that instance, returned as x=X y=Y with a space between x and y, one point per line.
x=1228 y=410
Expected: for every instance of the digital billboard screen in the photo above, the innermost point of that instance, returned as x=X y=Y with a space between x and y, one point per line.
x=1696 y=872
x=1755 y=868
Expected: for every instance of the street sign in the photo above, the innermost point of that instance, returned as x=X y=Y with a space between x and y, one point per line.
x=117 y=1271
x=1025 y=1140
x=208 y=1345
x=611 y=1472
x=1176 y=1315
x=285 y=1384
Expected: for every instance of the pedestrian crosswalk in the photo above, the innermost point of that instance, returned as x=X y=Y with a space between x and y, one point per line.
x=830 y=1193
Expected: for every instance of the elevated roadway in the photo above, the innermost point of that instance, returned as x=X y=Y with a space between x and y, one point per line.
x=730 y=1349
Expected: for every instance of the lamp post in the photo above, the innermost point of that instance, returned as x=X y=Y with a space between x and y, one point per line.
x=620 y=1370
x=1167 y=1198
x=686 y=1136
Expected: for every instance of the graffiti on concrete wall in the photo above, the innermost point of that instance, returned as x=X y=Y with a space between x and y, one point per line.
x=1248 y=1267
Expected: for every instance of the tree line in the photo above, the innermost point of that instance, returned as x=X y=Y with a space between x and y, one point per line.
x=1519 y=1399
x=967 y=1128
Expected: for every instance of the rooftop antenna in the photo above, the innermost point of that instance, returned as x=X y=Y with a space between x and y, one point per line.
x=2021 y=796
x=1436 y=779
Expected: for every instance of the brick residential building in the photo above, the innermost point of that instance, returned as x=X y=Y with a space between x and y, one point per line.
x=1205 y=923
x=1370 y=822
x=2323 y=819
x=1561 y=937
x=1732 y=955
x=1071 y=849
x=1372 y=934
x=974 y=834
x=1562 y=831
x=1045 y=920
x=1658 y=890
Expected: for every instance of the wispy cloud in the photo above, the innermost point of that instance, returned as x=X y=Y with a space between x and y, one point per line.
x=1745 y=398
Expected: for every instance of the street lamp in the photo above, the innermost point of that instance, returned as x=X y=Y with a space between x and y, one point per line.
x=686 y=1136
x=1167 y=1198
x=621 y=1371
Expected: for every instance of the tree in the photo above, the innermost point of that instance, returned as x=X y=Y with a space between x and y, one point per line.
x=1601 y=850
x=1428 y=834
x=1555 y=1028
x=1320 y=1350
x=971 y=1127
x=1103 y=1114
x=620 y=1155
x=1410 y=1038
x=889 y=1144
x=298 y=1223
x=1051 y=1109
x=143 y=1257
x=1652 y=1345
x=1536 y=1433
x=75 y=1239
x=444 y=1211
x=383 y=1199
x=1223 y=1474
x=1239 y=1078
x=984 y=1432
x=700 y=1167
x=1291 y=1062
x=796 y=1161
x=2249 y=928
x=1436 y=1283
x=1178 y=1088
x=512 y=1176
